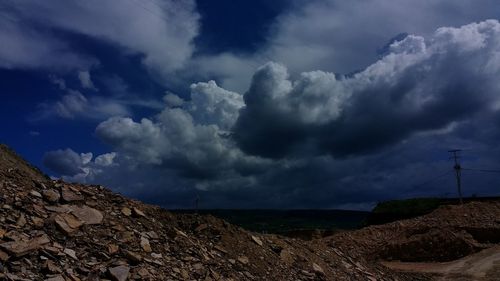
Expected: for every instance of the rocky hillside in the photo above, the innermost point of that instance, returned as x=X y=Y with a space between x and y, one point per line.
x=52 y=230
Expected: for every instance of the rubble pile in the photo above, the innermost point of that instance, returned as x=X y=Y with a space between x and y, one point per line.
x=449 y=233
x=53 y=230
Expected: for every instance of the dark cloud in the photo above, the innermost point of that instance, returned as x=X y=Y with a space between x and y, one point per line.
x=191 y=139
x=78 y=167
x=65 y=162
x=318 y=140
x=417 y=87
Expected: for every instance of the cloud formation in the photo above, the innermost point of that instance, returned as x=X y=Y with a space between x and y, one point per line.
x=78 y=167
x=160 y=31
x=85 y=103
x=419 y=86
x=75 y=105
x=340 y=36
x=86 y=80
x=318 y=139
x=23 y=47
x=192 y=139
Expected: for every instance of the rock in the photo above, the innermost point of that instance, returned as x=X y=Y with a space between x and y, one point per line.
x=184 y=274
x=115 y=225
x=86 y=214
x=38 y=222
x=243 y=259
x=55 y=278
x=71 y=253
x=40 y=185
x=68 y=223
x=126 y=236
x=50 y=267
x=16 y=236
x=57 y=209
x=286 y=256
x=126 y=211
x=144 y=273
x=21 y=221
x=181 y=233
x=257 y=240
x=21 y=248
x=70 y=196
x=152 y=235
x=133 y=257
x=338 y=252
x=145 y=245
x=215 y=275
x=310 y=275
x=156 y=255
x=52 y=250
x=119 y=273
x=138 y=213
x=198 y=266
x=220 y=249
x=3 y=256
x=51 y=195
x=346 y=265
x=36 y=193
x=113 y=248
x=10 y=276
x=317 y=269
x=201 y=227
x=2 y=233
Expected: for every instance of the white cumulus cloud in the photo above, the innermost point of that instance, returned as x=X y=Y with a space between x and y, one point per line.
x=160 y=31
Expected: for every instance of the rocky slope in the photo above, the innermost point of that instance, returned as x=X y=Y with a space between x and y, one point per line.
x=52 y=230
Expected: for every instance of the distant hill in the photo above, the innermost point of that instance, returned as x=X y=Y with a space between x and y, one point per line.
x=305 y=224
x=393 y=210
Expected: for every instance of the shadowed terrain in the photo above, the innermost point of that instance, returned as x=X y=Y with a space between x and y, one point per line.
x=53 y=230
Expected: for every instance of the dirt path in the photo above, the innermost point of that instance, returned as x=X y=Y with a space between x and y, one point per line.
x=481 y=266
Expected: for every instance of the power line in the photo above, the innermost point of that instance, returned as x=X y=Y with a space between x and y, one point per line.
x=432 y=179
x=457 y=168
x=481 y=170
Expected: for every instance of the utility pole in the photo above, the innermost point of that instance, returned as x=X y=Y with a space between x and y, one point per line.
x=196 y=203
x=458 y=171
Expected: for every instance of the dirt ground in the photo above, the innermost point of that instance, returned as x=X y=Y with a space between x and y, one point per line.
x=481 y=266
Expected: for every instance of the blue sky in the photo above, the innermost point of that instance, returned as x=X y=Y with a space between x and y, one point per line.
x=254 y=104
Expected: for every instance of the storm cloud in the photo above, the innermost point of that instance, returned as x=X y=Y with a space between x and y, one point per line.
x=192 y=139
x=316 y=139
x=420 y=85
x=78 y=167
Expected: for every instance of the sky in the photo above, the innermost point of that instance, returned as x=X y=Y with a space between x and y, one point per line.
x=255 y=104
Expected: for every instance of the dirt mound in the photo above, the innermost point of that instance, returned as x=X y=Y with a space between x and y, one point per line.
x=15 y=169
x=53 y=230
x=448 y=233
x=433 y=245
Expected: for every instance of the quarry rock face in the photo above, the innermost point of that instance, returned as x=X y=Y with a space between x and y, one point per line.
x=53 y=230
